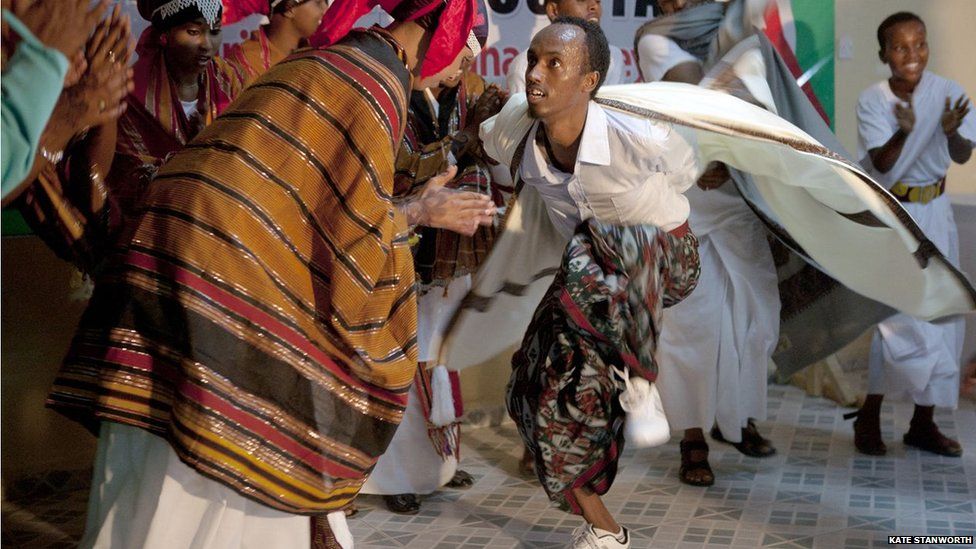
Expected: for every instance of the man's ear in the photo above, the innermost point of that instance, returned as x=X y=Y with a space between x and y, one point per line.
x=590 y=81
x=882 y=56
x=552 y=10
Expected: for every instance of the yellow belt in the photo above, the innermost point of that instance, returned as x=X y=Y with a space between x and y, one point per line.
x=921 y=194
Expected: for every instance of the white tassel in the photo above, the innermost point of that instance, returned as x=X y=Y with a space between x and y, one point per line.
x=337 y=523
x=646 y=424
x=80 y=285
x=442 y=398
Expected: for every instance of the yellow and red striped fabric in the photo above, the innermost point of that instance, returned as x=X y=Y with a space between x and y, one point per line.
x=263 y=316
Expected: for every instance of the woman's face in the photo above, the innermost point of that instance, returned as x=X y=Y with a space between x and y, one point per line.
x=463 y=59
x=191 y=46
x=308 y=15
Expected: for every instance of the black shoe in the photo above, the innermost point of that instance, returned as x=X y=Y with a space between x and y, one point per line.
x=403 y=504
x=753 y=444
x=461 y=479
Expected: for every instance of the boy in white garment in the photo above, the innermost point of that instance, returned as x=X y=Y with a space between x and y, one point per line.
x=910 y=128
x=589 y=10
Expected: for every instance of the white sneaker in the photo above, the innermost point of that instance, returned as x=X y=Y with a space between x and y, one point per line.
x=646 y=424
x=585 y=538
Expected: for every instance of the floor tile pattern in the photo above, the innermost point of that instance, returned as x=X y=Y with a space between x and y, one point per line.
x=816 y=492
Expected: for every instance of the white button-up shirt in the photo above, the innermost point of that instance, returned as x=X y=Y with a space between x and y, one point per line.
x=629 y=171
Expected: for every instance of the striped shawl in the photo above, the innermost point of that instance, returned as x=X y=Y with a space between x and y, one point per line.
x=263 y=316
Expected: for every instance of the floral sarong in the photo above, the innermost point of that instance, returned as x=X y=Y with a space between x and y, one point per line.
x=603 y=310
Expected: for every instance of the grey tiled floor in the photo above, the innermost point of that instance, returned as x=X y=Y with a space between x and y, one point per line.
x=816 y=492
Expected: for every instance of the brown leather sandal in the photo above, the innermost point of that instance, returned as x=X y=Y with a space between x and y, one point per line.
x=867 y=434
x=689 y=465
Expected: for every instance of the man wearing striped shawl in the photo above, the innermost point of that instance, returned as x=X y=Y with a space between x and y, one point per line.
x=442 y=129
x=247 y=353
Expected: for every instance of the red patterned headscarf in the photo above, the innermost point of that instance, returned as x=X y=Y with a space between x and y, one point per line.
x=454 y=26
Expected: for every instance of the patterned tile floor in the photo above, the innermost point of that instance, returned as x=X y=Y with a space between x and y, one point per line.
x=817 y=492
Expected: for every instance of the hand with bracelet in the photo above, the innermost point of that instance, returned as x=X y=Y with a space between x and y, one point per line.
x=98 y=97
x=442 y=208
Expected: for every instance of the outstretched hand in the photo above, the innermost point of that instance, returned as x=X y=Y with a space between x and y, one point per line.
x=459 y=211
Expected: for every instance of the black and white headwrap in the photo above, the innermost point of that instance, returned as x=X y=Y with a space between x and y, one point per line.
x=210 y=9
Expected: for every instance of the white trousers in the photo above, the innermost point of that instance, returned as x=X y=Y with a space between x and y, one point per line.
x=714 y=347
x=911 y=358
x=143 y=496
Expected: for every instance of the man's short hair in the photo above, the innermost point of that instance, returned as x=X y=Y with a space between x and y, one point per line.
x=597 y=49
x=891 y=21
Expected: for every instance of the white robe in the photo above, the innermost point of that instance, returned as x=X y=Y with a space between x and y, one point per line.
x=910 y=357
x=144 y=496
x=715 y=345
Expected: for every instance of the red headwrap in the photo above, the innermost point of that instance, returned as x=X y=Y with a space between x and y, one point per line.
x=235 y=10
x=454 y=25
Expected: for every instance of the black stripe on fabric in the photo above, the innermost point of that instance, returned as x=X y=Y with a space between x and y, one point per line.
x=167 y=281
x=373 y=45
x=340 y=197
x=243 y=486
x=241 y=458
x=359 y=87
x=269 y=223
x=259 y=439
x=170 y=285
x=214 y=231
x=256 y=165
x=197 y=339
x=364 y=162
x=255 y=210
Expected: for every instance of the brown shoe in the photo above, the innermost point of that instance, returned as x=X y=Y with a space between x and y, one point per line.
x=867 y=434
x=928 y=437
x=461 y=479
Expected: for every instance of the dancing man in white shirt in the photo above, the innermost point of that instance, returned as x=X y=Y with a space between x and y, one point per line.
x=587 y=162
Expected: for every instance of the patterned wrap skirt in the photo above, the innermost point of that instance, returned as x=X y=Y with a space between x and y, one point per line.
x=603 y=310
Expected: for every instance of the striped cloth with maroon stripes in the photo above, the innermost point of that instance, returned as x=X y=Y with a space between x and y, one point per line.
x=263 y=316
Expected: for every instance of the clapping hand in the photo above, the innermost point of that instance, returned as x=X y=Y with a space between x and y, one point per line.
x=905 y=115
x=953 y=115
x=99 y=95
x=60 y=24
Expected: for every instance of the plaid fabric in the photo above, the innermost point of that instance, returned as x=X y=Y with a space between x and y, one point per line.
x=441 y=256
x=603 y=309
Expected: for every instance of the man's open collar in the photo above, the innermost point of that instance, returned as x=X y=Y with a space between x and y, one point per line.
x=595 y=144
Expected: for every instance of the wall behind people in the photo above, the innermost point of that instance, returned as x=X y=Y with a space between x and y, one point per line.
x=949 y=24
